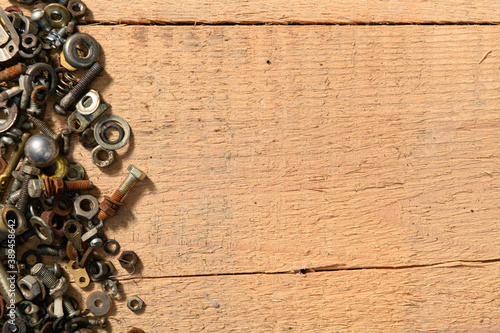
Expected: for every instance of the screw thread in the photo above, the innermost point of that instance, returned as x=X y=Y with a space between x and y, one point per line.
x=47 y=250
x=81 y=86
x=78 y=185
x=97 y=322
x=42 y=126
x=48 y=278
x=12 y=72
x=68 y=306
x=128 y=184
x=22 y=203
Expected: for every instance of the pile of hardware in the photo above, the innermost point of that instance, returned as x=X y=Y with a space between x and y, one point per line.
x=45 y=213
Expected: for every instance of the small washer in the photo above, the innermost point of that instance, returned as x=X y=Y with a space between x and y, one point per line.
x=73 y=54
x=111 y=250
x=105 y=127
x=101 y=138
x=99 y=303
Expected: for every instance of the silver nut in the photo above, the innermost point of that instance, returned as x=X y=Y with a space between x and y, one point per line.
x=136 y=172
x=60 y=288
x=35 y=188
x=107 y=161
x=30 y=287
x=86 y=207
x=134 y=303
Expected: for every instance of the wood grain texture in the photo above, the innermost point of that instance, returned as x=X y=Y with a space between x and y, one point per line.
x=292 y=11
x=276 y=149
x=438 y=299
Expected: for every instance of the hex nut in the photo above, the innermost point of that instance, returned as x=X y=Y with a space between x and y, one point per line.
x=102 y=163
x=30 y=287
x=86 y=206
x=134 y=303
x=75 y=171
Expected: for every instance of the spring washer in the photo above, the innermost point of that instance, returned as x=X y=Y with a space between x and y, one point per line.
x=101 y=138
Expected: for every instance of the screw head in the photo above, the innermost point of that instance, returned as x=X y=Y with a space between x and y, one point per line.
x=136 y=172
x=35 y=188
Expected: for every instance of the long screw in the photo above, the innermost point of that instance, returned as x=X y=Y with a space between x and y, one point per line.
x=42 y=126
x=12 y=72
x=79 y=89
x=111 y=204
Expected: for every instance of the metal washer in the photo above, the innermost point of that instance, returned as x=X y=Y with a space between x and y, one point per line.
x=102 y=141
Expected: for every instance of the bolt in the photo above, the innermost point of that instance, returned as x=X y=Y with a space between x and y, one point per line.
x=95 y=321
x=38 y=16
x=7 y=94
x=65 y=134
x=56 y=269
x=22 y=203
x=14 y=197
x=57 y=185
x=79 y=89
x=48 y=250
x=111 y=204
x=42 y=126
x=70 y=308
x=12 y=72
x=47 y=277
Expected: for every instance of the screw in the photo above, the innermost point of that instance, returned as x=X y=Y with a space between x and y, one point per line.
x=57 y=185
x=48 y=278
x=70 y=308
x=65 y=134
x=38 y=16
x=79 y=89
x=12 y=72
x=34 y=109
x=42 y=126
x=48 y=250
x=22 y=203
x=94 y=321
x=14 y=197
x=7 y=94
x=56 y=269
x=111 y=204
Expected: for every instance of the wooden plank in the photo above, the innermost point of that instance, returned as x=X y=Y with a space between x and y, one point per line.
x=282 y=148
x=437 y=299
x=292 y=12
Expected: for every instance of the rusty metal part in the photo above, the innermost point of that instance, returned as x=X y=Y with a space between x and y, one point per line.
x=56 y=185
x=30 y=287
x=100 y=132
x=13 y=72
x=135 y=330
x=3 y=164
x=55 y=221
x=110 y=205
x=75 y=172
x=11 y=217
x=57 y=15
x=40 y=94
x=62 y=204
x=100 y=269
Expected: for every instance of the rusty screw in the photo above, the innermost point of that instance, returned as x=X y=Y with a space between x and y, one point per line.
x=12 y=72
x=79 y=89
x=43 y=127
x=110 y=205
x=55 y=185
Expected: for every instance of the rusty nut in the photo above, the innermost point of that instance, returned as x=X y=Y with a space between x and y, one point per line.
x=30 y=287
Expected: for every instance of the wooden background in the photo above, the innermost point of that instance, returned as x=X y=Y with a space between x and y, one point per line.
x=313 y=165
